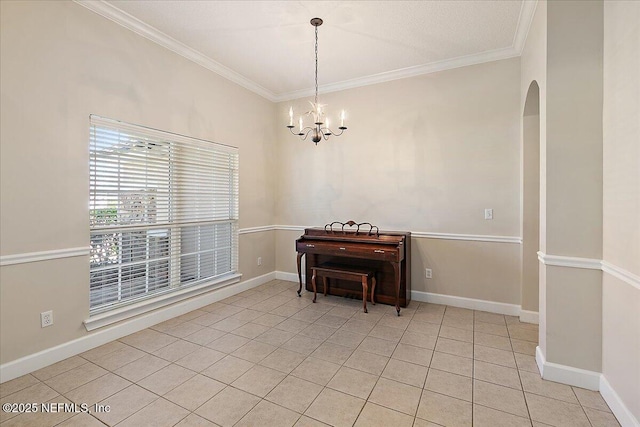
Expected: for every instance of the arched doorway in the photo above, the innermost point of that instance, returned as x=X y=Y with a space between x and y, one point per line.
x=530 y=202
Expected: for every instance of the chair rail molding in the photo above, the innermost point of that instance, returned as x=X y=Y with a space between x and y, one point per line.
x=428 y=235
x=591 y=264
x=569 y=261
x=26 y=257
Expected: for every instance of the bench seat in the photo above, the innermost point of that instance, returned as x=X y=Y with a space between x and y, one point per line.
x=345 y=272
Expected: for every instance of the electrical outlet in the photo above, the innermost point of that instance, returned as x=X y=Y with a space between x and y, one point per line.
x=428 y=274
x=259 y=260
x=488 y=214
x=46 y=318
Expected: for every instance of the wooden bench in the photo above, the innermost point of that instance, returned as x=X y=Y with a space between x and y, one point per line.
x=342 y=272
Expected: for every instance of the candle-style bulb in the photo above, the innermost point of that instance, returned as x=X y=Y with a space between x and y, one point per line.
x=300 y=123
x=291 y=116
x=342 y=119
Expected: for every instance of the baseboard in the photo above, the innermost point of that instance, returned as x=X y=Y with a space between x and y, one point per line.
x=470 y=303
x=619 y=409
x=567 y=374
x=540 y=360
x=33 y=362
x=290 y=277
x=529 y=316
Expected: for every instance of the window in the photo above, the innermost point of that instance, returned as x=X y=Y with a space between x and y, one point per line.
x=163 y=212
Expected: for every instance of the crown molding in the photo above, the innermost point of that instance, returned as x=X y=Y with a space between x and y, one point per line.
x=145 y=30
x=418 y=70
x=139 y=27
x=524 y=24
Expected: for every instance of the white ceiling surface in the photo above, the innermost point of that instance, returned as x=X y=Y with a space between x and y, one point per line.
x=268 y=46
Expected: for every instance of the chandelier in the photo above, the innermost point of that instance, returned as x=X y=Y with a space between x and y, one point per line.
x=320 y=129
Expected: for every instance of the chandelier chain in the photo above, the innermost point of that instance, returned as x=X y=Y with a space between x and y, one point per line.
x=316 y=98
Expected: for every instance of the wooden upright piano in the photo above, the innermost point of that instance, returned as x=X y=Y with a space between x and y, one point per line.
x=387 y=253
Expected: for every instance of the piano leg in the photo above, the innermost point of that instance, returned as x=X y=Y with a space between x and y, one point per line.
x=365 y=286
x=300 y=272
x=396 y=270
x=313 y=283
x=373 y=289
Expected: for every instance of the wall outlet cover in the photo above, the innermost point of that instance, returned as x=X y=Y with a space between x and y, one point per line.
x=46 y=318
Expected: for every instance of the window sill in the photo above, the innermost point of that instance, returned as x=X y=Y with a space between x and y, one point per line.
x=119 y=314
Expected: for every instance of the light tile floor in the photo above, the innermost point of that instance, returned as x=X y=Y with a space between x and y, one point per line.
x=268 y=358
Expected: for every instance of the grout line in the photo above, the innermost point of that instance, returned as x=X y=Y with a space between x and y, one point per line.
x=524 y=396
x=473 y=366
x=582 y=407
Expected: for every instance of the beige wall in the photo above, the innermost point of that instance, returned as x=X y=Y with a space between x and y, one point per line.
x=61 y=63
x=257 y=245
x=621 y=119
x=574 y=129
x=286 y=250
x=621 y=222
x=621 y=340
x=571 y=204
x=427 y=154
x=530 y=198
x=480 y=270
x=26 y=290
x=574 y=317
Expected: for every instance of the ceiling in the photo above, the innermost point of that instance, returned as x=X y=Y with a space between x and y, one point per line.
x=268 y=46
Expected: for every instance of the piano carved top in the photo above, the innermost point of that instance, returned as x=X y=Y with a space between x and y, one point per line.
x=351 y=224
x=383 y=237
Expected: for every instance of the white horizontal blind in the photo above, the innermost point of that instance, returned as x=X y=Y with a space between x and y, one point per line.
x=163 y=212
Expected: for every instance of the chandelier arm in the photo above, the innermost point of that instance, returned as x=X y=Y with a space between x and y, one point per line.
x=342 y=128
x=306 y=134
x=301 y=133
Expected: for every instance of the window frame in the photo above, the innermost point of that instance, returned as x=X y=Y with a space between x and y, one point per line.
x=178 y=217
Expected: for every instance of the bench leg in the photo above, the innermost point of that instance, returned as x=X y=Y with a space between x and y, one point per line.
x=365 y=285
x=313 y=283
x=325 y=283
x=373 y=289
